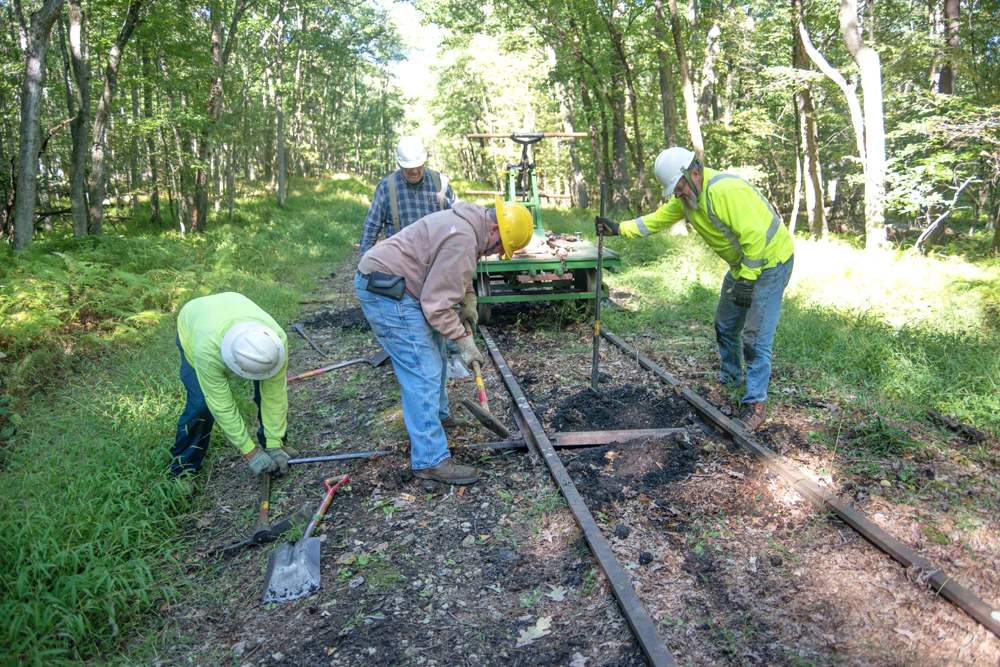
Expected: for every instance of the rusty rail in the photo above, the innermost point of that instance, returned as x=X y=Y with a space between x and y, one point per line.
x=632 y=608
x=936 y=578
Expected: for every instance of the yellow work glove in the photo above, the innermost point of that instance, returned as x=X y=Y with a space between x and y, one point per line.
x=468 y=351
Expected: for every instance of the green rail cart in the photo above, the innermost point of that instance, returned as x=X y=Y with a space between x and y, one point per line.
x=536 y=277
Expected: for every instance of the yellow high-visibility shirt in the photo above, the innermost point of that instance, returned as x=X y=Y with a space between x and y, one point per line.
x=735 y=220
x=200 y=327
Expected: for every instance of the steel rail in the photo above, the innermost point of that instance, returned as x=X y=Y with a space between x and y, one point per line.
x=585 y=438
x=632 y=608
x=936 y=578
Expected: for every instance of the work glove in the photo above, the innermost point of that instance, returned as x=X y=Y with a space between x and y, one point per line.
x=262 y=463
x=606 y=226
x=280 y=459
x=743 y=293
x=468 y=351
x=467 y=311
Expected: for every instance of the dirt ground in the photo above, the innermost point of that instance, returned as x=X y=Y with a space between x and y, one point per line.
x=732 y=564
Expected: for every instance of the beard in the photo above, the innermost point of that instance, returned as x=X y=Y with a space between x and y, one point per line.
x=691 y=202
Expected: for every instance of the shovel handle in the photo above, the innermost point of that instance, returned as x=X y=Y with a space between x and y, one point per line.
x=478 y=370
x=330 y=490
x=319 y=371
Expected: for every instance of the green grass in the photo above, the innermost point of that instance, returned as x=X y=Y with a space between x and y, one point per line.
x=92 y=529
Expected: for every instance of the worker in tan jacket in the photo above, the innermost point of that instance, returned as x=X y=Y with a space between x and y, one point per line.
x=408 y=286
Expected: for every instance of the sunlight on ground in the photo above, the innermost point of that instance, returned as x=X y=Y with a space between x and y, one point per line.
x=905 y=289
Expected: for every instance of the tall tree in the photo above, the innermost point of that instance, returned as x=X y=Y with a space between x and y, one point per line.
x=690 y=107
x=98 y=157
x=666 y=72
x=952 y=23
x=36 y=46
x=871 y=84
x=808 y=133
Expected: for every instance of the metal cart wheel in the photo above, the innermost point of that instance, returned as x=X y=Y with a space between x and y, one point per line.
x=484 y=310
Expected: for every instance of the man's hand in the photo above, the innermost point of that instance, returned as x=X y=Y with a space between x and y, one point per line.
x=468 y=351
x=468 y=311
x=280 y=459
x=261 y=463
x=606 y=226
x=743 y=293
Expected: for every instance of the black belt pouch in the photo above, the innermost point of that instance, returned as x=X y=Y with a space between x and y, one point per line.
x=386 y=284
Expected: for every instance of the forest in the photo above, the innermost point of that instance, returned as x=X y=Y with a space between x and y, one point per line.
x=152 y=152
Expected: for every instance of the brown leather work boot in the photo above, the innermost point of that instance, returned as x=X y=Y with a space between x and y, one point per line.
x=447 y=472
x=291 y=451
x=451 y=422
x=753 y=415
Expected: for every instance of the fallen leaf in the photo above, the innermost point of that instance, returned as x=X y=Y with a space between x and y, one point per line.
x=204 y=521
x=347 y=559
x=906 y=633
x=537 y=631
x=238 y=648
x=578 y=661
x=558 y=593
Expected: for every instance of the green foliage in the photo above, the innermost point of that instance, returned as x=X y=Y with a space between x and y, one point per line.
x=91 y=531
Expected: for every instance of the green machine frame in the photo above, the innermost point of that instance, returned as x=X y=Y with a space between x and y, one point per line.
x=541 y=278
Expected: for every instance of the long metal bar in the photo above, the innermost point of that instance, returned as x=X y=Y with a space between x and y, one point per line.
x=585 y=438
x=636 y=615
x=594 y=373
x=339 y=457
x=937 y=579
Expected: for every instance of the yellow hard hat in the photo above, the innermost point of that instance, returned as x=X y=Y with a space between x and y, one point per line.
x=516 y=226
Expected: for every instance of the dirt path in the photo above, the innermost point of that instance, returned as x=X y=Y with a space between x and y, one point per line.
x=733 y=565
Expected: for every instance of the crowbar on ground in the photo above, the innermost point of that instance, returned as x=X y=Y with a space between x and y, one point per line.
x=375 y=361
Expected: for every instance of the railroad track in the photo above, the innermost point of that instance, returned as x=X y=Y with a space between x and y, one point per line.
x=643 y=626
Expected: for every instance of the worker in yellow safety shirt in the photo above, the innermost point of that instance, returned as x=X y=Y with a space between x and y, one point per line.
x=739 y=224
x=222 y=337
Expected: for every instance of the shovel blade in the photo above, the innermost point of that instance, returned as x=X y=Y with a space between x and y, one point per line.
x=292 y=571
x=378 y=359
x=486 y=419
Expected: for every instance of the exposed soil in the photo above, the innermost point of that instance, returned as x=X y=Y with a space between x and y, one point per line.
x=732 y=564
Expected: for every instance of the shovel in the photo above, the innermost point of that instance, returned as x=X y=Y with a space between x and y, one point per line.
x=297 y=328
x=375 y=361
x=293 y=569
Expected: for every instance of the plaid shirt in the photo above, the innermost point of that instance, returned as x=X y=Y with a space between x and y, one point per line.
x=415 y=201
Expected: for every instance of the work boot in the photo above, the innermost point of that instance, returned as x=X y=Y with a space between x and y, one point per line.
x=452 y=422
x=291 y=451
x=447 y=472
x=753 y=415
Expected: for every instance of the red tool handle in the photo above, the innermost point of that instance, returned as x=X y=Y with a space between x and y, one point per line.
x=330 y=490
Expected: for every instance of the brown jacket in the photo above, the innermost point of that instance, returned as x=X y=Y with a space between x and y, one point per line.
x=437 y=256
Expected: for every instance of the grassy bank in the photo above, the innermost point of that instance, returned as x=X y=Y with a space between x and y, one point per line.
x=91 y=528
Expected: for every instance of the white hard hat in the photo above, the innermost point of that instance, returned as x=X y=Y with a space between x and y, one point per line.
x=669 y=166
x=253 y=351
x=410 y=152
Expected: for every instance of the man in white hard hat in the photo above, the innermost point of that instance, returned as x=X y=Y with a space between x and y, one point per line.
x=220 y=337
x=739 y=224
x=408 y=287
x=406 y=195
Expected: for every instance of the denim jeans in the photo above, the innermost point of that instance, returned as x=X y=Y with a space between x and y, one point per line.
x=194 y=428
x=419 y=358
x=755 y=325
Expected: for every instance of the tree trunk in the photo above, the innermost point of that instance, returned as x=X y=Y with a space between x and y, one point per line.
x=808 y=131
x=707 y=106
x=871 y=84
x=619 y=163
x=691 y=109
x=31 y=108
x=279 y=121
x=578 y=191
x=797 y=198
x=147 y=112
x=666 y=69
x=98 y=178
x=133 y=159
x=952 y=23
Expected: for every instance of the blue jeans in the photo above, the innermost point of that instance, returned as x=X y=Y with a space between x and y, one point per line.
x=420 y=360
x=194 y=428
x=755 y=325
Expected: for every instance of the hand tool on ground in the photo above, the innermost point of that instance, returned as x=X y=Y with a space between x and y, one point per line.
x=339 y=457
x=375 y=361
x=297 y=328
x=293 y=568
x=261 y=532
x=597 y=302
x=482 y=411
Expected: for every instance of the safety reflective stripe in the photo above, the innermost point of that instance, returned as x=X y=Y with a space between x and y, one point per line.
x=772 y=229
x=643 y=229
x=394 y=200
